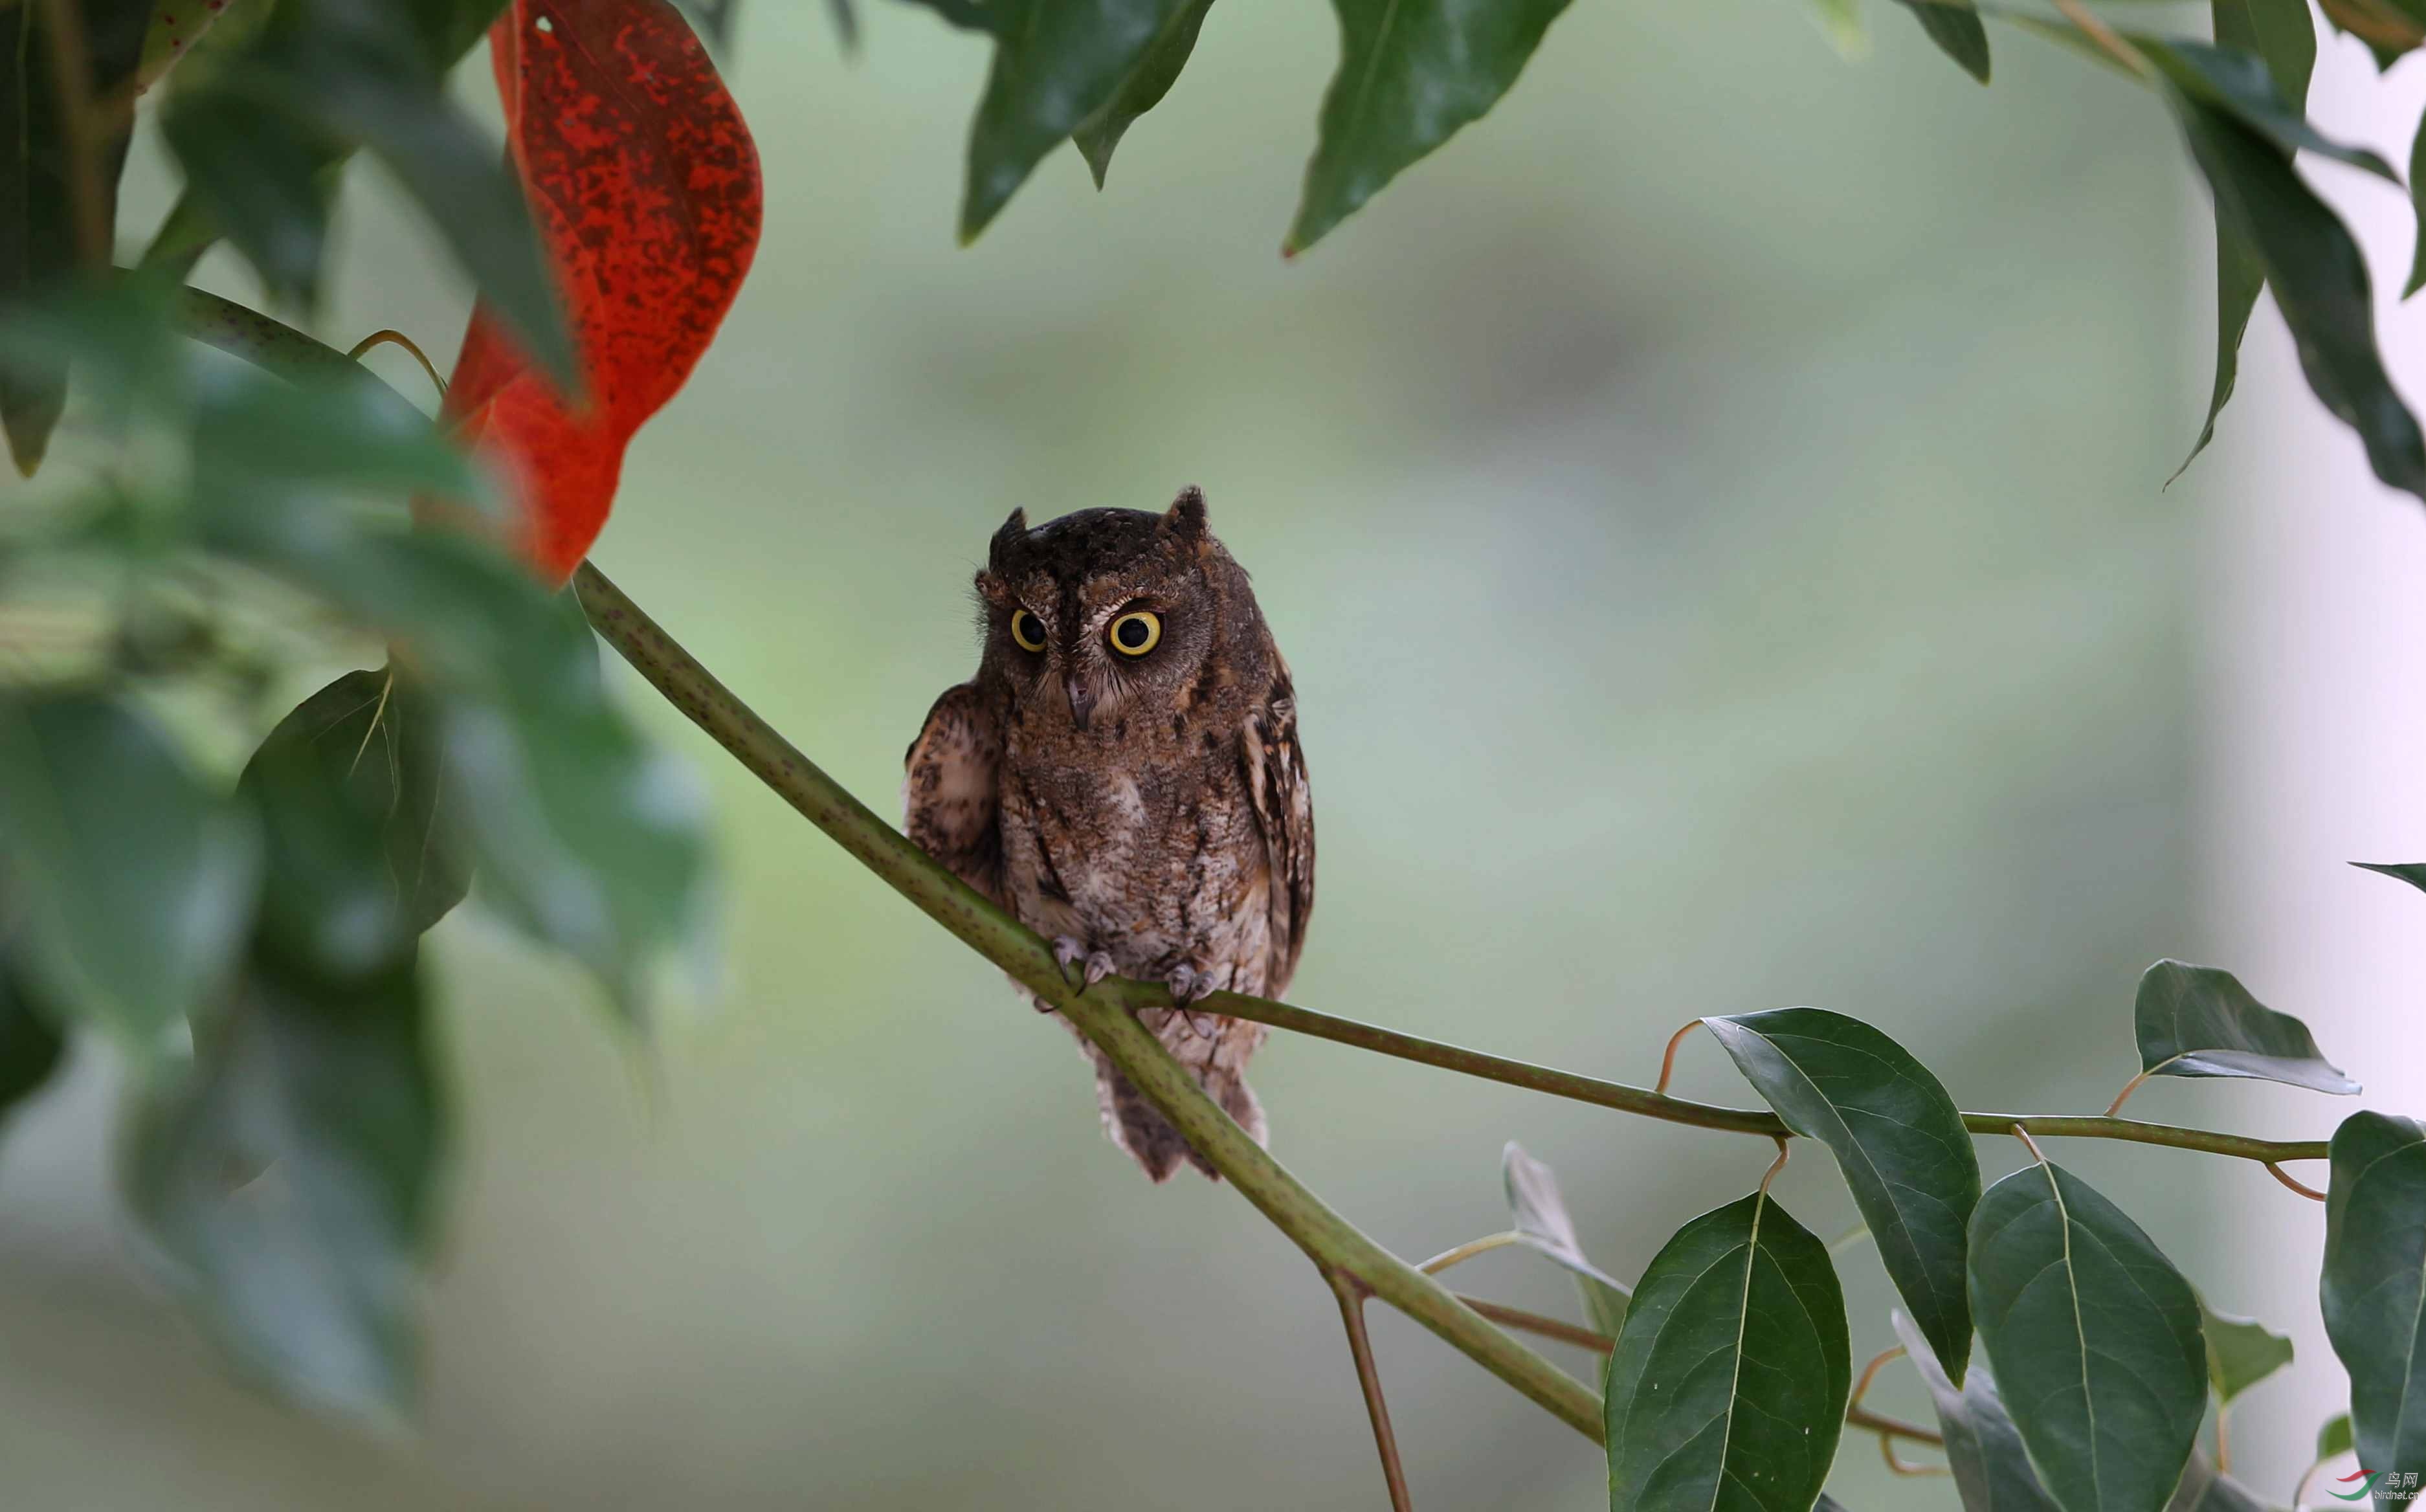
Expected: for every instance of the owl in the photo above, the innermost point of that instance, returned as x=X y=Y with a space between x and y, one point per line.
x=1123 y=775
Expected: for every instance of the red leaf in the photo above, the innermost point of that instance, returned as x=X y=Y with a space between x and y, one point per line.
x=643 y=181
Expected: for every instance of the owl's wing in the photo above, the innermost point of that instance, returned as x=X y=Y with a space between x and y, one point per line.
x=949 y=790
x=1275 y=770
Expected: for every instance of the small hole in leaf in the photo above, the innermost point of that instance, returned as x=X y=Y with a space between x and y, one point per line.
x=545 y=23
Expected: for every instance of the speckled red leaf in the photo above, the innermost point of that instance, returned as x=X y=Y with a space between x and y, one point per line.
x=644 y=183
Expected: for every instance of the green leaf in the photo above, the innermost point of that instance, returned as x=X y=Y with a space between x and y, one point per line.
x=1410 y=74
x=2335 y=1437
x=2319 y=279
x=1540 y=1217
x=2412 y=873
x=260 y=177
x=2241 y=83
x=2374 y=1285
x=586 y=839
x=331 y=75
x=2241 y=1352
x=1983 y=1449
x=1896 y=1135
x=117 y=331
x=1055 y=63
x=2198 y=1021
x=176 y=25
x=2278 y=31
x=39 y=238
x=1957 y=30
x=134 y=880
x=288 y=1183
x=359 y=758
x=31 y=1046
x=1733 y=1369
x=2095 y=1336
x=1142 y=88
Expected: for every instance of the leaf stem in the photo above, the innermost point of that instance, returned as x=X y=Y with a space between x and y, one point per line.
x=1469 y=1250
x=2129 y=1087
x=1668 y=1057
x=1368 y=1376
x=2300 y=1187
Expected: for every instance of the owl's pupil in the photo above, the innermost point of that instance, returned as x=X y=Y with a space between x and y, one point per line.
x=1131 y=633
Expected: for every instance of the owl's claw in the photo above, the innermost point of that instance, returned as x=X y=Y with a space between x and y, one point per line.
x=1097 y=964
x=1189 y=986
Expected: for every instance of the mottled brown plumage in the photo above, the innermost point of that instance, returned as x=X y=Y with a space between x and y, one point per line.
x=1144 y=808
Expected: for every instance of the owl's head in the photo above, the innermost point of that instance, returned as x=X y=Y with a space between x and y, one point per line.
x=1105 y=615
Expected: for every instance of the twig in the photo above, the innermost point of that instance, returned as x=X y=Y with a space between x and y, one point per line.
x=1648 y=1103
x=1468 y=1250
x=2106 y=37
x=1900 y=1465
x=1879 y=1423
x=1368 y=1376
x=1566 y=1333
x=1869 y=1373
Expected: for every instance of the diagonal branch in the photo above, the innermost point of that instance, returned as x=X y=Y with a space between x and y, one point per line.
x=1103 y=1016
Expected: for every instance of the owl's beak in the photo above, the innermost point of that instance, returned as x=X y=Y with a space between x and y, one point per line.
x=1082 y=698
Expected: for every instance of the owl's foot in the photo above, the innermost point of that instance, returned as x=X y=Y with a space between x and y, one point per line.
x=1189 y=986
x=1096 y=964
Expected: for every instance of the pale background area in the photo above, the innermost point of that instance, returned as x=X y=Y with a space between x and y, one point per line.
x=1712 y=511
x=2313 y=714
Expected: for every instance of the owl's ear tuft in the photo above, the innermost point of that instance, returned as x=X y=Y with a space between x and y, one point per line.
x=1013 y=529
x=1186 y=515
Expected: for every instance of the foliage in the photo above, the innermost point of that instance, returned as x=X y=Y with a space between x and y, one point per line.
x=250 y=507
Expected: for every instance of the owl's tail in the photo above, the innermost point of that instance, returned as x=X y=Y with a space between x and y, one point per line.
x=1137 y=1127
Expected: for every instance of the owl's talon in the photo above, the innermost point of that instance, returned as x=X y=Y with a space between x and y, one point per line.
x=1095 y=965
x=1065 y=952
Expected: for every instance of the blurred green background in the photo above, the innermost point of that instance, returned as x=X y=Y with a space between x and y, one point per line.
x=1712 y=511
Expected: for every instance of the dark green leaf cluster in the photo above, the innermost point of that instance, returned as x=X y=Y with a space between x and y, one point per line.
x=253 y=947
x=1728 y=1381
x=1413 y=73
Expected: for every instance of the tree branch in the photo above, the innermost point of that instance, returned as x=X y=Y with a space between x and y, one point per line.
x=1651 y=1104
x=1368 y=1376
x=1100 y=1014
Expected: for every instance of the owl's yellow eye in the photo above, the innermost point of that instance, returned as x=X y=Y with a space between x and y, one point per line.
x=1025 y=630
x=1137 y=632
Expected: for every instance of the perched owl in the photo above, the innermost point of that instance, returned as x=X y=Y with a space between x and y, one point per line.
x=1123 y=774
